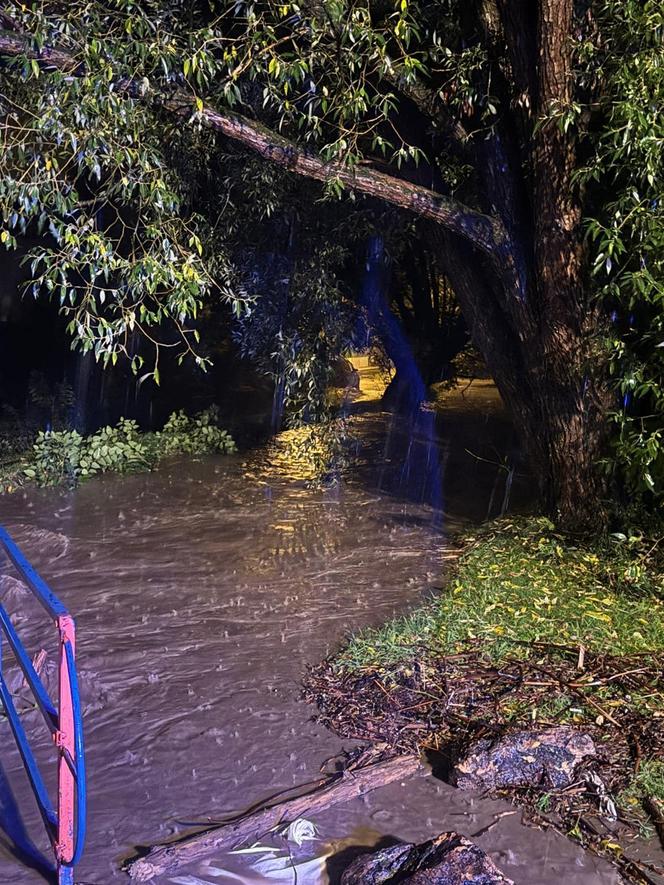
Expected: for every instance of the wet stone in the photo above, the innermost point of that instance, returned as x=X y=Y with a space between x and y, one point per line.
x=345 y=375
x=546 y=758
x=449 y=859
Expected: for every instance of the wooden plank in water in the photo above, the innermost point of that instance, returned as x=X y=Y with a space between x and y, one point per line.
x=250 y=827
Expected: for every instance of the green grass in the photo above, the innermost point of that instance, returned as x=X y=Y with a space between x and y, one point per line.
x=521 y=582
x=522 y=590
x=648 y=782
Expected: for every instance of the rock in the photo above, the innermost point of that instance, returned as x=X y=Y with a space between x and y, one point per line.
x=379 y=867
x=449 y=859
x=345 y=375
x=526 y=758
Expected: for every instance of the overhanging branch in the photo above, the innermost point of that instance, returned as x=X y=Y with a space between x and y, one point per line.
x=485 y=232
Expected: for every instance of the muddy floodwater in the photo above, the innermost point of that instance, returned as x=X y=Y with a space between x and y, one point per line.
x=201 y=593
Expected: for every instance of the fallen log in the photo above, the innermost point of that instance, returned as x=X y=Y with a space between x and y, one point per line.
x=249 y=827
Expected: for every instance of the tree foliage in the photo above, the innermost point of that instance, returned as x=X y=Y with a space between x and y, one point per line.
x=87 y=170
x=625 y=174
x=443 y=109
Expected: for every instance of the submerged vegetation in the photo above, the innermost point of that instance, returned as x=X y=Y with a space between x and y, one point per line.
x=65 y=456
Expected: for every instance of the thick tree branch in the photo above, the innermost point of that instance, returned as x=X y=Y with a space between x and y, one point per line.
x=14 y=44
x=8 y=23
x=485 y=232
x=163 y=860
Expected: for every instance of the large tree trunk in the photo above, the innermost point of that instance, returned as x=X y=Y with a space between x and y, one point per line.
x=564 y=432
x=538 y=341
x=569 y=394
x=558 y=407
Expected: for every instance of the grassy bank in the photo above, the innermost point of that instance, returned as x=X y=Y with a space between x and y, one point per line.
x=66 y=457
x=520 y=583
x=532 y=630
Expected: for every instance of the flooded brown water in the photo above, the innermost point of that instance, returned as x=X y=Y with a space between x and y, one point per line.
x=201 y=593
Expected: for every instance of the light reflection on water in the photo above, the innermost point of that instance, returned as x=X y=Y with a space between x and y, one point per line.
x=201 y=593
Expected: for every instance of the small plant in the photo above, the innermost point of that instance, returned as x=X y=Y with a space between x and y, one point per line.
x=56 y=457
x=543 y=803
x=193 y=436
x=648 y=783
x=644 y=792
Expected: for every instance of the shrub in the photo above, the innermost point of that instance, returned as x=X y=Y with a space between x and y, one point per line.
x=193 y=436
x=56 y=457
x=121 y=449
x=66 y=456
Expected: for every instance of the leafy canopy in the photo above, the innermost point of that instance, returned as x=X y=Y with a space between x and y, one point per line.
x=94 y=161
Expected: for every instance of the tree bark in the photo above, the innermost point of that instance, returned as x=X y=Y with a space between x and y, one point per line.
x=560 y=418
x=406 y=391
x=539 y=347
x=570 y=396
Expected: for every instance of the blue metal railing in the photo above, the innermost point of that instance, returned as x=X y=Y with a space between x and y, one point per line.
x=65 y=825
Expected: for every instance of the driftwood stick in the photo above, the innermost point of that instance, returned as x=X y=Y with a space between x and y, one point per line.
x=655 y=810
x=162 y=859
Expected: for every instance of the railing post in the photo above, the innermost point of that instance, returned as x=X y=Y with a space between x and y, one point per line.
x=66 y=747
x=65 y=875
x=66 y=827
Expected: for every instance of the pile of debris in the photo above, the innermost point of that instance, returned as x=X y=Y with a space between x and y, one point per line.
x=559 y=731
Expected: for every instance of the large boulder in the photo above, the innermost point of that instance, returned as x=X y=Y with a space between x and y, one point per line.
x=449 y=859
x=547 y=758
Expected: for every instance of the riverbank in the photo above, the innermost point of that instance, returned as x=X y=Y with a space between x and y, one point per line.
x=533 y=631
